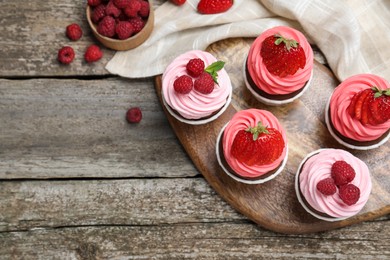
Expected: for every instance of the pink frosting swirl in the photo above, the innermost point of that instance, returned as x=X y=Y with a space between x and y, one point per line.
x=270 y=83
x=194 y=105
x=242 y=120
x=340 y=100
x=318 y=167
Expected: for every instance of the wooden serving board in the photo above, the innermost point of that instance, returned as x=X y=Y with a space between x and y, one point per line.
x=274 y=205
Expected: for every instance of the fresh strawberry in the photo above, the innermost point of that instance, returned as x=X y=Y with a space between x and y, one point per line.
x=74 y=31
x=349 y=194
x=327 y=186
x=281 y=56
x=93 y=53
x=342 y=173
x=178 y=2
x=195 y=67
x=134 y=115
x=370 y=106
x=214 y=6
x=204 y=83
x=259 y=145
x=183 y=84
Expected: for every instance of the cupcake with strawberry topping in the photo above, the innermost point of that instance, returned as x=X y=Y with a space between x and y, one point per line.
x=196 y=88
x=332 y=184
x=279 y=66
x=358 y=112
x=252 y=147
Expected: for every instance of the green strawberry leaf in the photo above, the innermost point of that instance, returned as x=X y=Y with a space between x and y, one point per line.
x=213 y=68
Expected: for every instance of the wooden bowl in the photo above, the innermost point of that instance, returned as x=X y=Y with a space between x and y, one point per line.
x=129 y=43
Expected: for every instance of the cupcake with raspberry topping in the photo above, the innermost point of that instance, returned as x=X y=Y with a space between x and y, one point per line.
x=358 y=112
x=279 y=66
x=332 y=184
x=196 y=88
x=252 y=147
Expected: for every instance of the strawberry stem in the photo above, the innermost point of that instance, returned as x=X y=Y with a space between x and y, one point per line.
x=379 y=92
x=289 y=43
x=257 y=130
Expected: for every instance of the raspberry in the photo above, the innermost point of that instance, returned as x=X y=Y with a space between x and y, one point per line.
x=183 y=84
x=93 y=53
x=138 y=24
x=74 y=32
x=122 y=3
x=124 y=30
x=144 y=10
x=98 y=13
x=327 y=186
x=66 y=55
x=342 y=173
x=106 y=26
x=178 y=2
x=132 y=9
x=204 y=83
x=349 y=194
x=195 y=67
x=134 y=115
x=94 y=2
x=112 y=10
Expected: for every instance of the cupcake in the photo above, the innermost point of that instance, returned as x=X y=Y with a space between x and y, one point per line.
x=332 y=184
x=279 y=66
x=196 y=88
x=358 y=112
x=252 y=147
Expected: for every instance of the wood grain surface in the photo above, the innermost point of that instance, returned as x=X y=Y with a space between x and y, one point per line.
x=274 y=205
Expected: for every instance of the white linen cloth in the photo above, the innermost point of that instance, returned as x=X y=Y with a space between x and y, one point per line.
x=353 y=35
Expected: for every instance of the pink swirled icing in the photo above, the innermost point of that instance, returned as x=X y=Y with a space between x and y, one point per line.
x=194 y=105
x=242 y=120
x=318 y=167
x=340 y=100
x=270 y=83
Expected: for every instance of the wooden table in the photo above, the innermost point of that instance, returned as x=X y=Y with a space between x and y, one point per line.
x=79 y=182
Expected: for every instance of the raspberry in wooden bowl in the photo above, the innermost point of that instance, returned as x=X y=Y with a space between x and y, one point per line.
x=252 y=147
x=121 y=24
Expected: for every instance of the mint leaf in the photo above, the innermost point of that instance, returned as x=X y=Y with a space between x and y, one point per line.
x=213 y=68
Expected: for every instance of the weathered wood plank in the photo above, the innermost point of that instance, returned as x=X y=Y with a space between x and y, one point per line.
x=35 y=204
x=33 y=31
x=53 y=128
x=195 y=241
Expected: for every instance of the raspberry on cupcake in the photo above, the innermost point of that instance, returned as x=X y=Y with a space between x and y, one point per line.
x=332 y=184
x=279 y=66
x=196 y=88
x=358 y=112
x=252 y=147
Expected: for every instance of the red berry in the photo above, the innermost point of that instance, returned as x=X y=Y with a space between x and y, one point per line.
x=183 y=84
x=131 y=10
x=124 y=30
x=281 y=56
x=137 y=23
x=380 y=106
x=214 y=6
x=94 y=2
x=112 y=10
x=178 y=2
x=106 y=26
x=74 y=32
x=98 y=13
x=134 y=115
x=122 y=3
x=349 y=194
x=342 y=173
x=204 y=83
x=258 y=145
x=93 y=53
x=144 y=10
x=327 y=186
x=66 y=55
x=195 y=67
